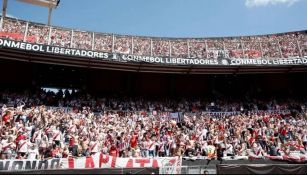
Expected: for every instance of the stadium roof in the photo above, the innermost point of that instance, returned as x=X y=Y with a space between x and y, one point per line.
x=50 y=4
x=44 y=3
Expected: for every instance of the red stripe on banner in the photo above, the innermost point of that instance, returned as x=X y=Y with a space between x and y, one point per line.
x=103 y=160
x=142 y=162
x=71 y=163
x=89 y=163
x=129 y=163
x=155 y=163
x=172 y=162
x=113 y=162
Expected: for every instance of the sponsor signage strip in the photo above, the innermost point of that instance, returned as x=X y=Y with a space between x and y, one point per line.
x=6 y=43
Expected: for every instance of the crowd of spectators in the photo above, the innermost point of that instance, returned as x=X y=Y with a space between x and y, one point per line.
x=234 y=47
x=287 y=45
x=216 y=49
x=142 y=46
x=103 y=42
x=179 y=49
x=302 y=40
x=13 y=29
x=270 y=50
x=82 y=40
x=161 y=47
x=252 y=47
x=60 y=37
x=39 y=33
x=122 y=44
x=198 y=49
x=136 y=127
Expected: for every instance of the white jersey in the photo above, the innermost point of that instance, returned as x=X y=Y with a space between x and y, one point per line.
x=161 y=146
x=37 y=135
x=94 y=147
x=29 y=130
x=145 y=145
x=204 y=132
x=7 y=147
x=152 y=145
x=32 y=153
x=56 y=135
x=71 y=129
x=23 y=146
x=44 y=142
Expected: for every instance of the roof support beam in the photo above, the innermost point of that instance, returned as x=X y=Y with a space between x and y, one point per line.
x=4 y=7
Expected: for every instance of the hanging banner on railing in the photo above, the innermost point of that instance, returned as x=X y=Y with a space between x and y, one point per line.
x=169 y=165
x=221 y=113
x=16 y=164
x=173 y=164
x=271 y=111
x=65 y=109
x=7 y=43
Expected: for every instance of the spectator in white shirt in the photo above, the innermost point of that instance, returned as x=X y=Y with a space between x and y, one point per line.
x=33 y=152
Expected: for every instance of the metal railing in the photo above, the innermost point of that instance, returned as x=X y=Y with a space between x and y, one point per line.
x=167 y=49
x=198 y=169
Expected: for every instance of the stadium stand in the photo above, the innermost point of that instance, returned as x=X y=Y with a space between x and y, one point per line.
x=284 y=45
x=80 y=125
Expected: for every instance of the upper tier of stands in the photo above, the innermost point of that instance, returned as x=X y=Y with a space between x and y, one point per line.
x=283 y=45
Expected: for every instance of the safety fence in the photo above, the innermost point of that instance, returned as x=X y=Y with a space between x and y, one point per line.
x=200 y=169
x=278 y=49
x=88 y=171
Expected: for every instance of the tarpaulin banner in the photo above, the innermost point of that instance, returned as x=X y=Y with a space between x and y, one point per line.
x=9 y=41
x=88 y=171
x=173 y=164
x=29 y=164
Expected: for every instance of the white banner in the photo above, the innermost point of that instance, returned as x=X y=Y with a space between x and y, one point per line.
x=16 y=165
x=167 y=165
x=221 y=113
